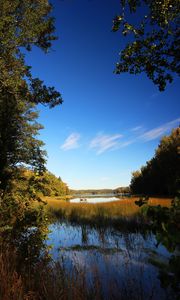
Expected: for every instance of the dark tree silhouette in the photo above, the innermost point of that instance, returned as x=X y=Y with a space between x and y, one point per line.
x=152 y=32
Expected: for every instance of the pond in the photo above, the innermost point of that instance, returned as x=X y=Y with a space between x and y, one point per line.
x=118 y=261
x=94 y=199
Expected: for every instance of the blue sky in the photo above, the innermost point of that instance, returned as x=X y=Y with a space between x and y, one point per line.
x=109 y=125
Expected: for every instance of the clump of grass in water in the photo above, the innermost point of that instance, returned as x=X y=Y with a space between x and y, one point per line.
x=74 y=215
x=57 y=213
x=101 y=215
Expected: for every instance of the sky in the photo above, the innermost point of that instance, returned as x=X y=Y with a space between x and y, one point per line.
x=108 y=125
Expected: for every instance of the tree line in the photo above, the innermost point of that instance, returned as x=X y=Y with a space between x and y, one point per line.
x=161 y=174
x=118 y=190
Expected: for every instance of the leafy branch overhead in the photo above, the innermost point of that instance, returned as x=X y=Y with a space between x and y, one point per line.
x=152 y=32
x=25 y=24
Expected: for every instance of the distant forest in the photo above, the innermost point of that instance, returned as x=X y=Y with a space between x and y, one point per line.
x=100 y=191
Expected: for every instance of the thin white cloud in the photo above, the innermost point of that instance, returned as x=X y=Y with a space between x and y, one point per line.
x=104 y=142
x=125 y=144
x=71 y=142
x=159 y=131
x=137 y=128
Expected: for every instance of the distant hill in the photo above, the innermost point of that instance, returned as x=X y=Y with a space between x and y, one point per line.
x=100 y=191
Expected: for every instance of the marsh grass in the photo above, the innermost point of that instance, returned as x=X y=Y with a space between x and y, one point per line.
x=116 y=213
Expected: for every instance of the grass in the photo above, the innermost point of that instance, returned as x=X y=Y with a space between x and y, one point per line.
x=115 y=213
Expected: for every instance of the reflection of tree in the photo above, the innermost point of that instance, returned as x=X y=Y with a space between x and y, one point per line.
x=27 y=240
x=84 y=232
x=27 y=272
x=170 y=275
x=102 y=235
x=24 y=257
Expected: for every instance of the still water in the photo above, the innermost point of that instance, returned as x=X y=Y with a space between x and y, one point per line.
x=94 y=200
x=120 y=260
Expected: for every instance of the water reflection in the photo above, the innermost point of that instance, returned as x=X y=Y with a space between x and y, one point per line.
x=94 y=200
x=102 y=259
x=115 y=258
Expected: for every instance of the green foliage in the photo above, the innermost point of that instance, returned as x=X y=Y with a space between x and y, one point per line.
x=153 y=39
x=23 y=24
x=165 y=224
x=160 y=175
x=48 y=184
x=16 y=205
x=142 y=201
x=18 y=142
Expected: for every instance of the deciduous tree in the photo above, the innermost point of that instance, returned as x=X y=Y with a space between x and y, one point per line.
x=151 y=28
x=23 y=25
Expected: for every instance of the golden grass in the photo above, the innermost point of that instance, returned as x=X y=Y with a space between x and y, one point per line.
x=114 y=209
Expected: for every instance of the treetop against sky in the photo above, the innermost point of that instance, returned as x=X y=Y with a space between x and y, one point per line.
x=109 y=125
